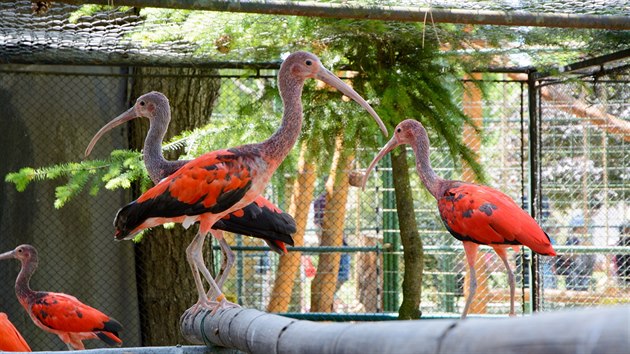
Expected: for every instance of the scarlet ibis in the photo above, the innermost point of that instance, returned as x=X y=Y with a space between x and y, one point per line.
x=10 y=339
x=472 y=213
x=222 y=181
x=59 y=313
x=259 y=219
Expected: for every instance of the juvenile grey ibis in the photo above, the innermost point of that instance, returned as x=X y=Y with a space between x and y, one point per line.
x=59 y=313
x=260 y=219
x=472 y=213
x=222 y=181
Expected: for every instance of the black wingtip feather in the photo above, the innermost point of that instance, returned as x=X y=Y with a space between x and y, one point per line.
x=109 y=341
x=261 y=223
x=123 y=221
x=112 y=326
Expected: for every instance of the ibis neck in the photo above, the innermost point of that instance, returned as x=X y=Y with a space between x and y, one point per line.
x=428 y=177
x=153 y=158
x=278 y=146
x=22 y=286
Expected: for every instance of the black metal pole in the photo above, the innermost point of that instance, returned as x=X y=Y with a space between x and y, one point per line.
x=386 y=13
x=534 y=173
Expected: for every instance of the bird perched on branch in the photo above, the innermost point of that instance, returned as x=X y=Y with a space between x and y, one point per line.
x=472 y=213
x=10 y=338
x=217 y=183
x=58 y=313
x=260 y=219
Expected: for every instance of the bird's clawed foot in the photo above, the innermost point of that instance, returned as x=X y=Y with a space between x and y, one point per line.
x=203 y=304
x=223 y=304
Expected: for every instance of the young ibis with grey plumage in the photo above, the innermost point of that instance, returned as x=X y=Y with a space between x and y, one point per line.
x=222 y=181
x=260 y=219
x=59 y=313
x=472 y=213
x=10 y=338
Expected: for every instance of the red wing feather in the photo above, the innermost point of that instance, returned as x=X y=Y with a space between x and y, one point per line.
x=10 y=339
x=486 y=216
x=264 y=203
x=212 y=183
x=65 y=313
x=204 y=179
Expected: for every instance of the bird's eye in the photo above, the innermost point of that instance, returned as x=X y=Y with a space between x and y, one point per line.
x=398 y=130
x=20 y=250
x=309 y=62
x=142 y=103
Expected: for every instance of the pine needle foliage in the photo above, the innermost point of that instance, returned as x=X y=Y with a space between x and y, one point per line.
x=120 y=170
x=407 y=77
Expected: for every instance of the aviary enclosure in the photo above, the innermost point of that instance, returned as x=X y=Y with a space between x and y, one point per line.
x=554 y=138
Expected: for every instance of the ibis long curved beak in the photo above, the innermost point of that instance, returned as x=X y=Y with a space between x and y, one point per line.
x=127 y=116
x=7 y=255
x=391 y=145
x=331 y=79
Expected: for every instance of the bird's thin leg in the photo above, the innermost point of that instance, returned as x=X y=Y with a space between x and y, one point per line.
x=220 y=278
x=228 y=261
x=471 y=256
x=72 y=342
x=503 y=255
x=190 y=256
x=196 y=254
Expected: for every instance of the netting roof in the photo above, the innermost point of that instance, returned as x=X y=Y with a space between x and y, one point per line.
x=61 y=34
x=595 y=7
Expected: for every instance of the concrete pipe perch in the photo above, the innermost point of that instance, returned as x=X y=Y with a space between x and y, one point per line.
x=598 y=330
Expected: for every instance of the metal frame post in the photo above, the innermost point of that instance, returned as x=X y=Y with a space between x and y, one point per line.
x=391 y=240
x=534 y=182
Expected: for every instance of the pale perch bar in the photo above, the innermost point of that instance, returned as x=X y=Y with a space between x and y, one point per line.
x=598 y=330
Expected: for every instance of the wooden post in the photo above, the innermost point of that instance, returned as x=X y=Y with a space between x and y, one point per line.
x=596 y=330
x=323 y=286
x=473 y=109
x=289 y=266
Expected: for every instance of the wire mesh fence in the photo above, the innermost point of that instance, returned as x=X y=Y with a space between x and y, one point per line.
x=51 y=112
x=585 y=178
x=48 y=115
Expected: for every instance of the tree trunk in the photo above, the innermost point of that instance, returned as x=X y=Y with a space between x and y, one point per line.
x=410 y=238
x=165 y=283
x=324 y=284
x=368 y=276
x=289 y=265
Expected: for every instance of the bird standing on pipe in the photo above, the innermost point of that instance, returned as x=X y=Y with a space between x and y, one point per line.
x=260 y=219
x=59 y=313
x=10 y=338
x=472 y=213
x=219 y=182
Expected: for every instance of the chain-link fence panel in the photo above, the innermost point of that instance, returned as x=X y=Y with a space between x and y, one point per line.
x=350 y=255
x=49 y=115
x=584 y=176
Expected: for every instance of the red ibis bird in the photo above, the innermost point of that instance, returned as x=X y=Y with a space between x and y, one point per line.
x=222 y=181
x=59 y=313
x=10 y=339
x=259 y=219
x=472 y=213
